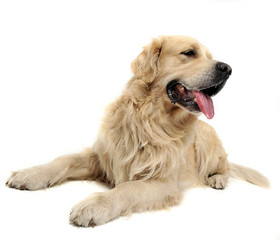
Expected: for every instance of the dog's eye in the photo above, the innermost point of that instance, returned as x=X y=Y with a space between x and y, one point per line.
x=189 y=53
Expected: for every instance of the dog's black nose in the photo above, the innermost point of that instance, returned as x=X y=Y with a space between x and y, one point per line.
x=223 y=68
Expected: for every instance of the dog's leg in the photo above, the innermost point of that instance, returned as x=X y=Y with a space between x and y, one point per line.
x=218 y=168
x=211 y=157
x=69 y=167
x=135 y=196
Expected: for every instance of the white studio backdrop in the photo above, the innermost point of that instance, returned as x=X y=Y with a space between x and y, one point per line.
x=62 y=62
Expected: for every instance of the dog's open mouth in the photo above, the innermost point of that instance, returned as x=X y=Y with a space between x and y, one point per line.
x=193 y=100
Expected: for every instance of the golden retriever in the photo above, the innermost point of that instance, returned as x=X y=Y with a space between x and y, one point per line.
x=151 y=145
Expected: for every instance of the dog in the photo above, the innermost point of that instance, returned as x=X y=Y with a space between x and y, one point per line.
x=151 y=145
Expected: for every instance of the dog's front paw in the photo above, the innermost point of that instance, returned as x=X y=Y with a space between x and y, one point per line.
x=217 y=181
x=31 y=179
x=95 y=210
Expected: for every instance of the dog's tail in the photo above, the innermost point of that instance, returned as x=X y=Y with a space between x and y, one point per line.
x=249 y=175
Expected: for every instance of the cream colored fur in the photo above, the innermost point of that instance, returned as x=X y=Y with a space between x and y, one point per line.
x=148 y=149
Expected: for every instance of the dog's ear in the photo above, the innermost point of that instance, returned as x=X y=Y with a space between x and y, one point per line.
x=148 y=60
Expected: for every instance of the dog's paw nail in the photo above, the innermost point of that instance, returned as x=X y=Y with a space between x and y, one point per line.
x=91 y=223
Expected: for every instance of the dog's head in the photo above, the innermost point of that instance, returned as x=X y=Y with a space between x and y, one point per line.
x=183 y=69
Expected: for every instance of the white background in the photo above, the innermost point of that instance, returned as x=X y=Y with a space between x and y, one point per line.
x=62 y=62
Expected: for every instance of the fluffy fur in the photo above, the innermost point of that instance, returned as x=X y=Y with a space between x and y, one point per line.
x=148 y=149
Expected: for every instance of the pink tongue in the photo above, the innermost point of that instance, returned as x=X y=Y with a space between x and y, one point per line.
x=205 y=104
